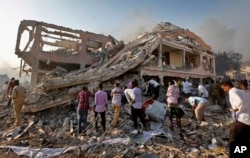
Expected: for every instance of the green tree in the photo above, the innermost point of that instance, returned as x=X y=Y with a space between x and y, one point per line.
x=226 y=61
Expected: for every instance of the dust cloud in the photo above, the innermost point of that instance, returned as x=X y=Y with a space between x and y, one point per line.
x=222 y=37
x=134 y=24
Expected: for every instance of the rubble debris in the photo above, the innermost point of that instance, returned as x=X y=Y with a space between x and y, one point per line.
x=50 y=134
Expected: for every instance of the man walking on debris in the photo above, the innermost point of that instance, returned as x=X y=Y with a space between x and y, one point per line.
x=153 y=88
x=116 y=95
x=83 y=108
x=136 y=102
x=101 y=103
x=173 y=93
x=199 y=106
x=240 y=103
x=18 y=95
x=9 y=90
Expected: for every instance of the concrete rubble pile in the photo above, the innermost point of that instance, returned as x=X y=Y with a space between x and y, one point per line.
x=56 y=130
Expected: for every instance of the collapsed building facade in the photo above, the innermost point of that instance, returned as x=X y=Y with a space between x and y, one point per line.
x=61 y=60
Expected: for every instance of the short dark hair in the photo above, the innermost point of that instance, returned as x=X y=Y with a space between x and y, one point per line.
x=135 y=83
x=117 y=84
x=244 y=83
x=16 y=82
x=171 y=82
x=100 y=86
x=227 y=83
x=84 y=88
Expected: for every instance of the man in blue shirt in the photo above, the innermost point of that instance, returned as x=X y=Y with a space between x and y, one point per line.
x=199 y=106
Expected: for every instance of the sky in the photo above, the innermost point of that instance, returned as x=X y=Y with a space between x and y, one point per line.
x=222 y=24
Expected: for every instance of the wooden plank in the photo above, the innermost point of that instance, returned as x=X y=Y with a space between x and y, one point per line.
x=25 y=130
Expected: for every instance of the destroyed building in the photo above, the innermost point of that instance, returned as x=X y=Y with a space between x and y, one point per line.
x=61 y=59
x=52 y=132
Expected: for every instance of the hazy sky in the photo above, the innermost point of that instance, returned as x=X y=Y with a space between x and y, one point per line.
x=223 y=24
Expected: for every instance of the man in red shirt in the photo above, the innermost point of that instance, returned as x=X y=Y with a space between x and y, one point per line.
x=82 y=109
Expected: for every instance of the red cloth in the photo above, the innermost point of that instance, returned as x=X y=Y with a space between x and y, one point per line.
x=145 y=105
x=83 y=99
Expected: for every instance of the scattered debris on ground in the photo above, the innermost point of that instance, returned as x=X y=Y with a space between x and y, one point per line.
x=53 y=132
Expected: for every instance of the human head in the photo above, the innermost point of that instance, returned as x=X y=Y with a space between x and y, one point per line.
x=243 y=84
x=186 y=100
x=226 y=85
x=16 y=82
x=6 y=82
x=12 y=79
x=171 y=83
x=124 y=87
x=84 y=88
x=100 y=86
x=116 y=84
x=134 y=83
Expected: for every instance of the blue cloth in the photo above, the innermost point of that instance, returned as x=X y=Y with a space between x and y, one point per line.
x=234 y=116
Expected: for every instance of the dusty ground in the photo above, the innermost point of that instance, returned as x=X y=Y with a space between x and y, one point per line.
x=51 y=129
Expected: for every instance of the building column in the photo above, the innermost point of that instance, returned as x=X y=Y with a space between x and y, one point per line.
x=184 y=59
x=34 y=73
x=160 y=56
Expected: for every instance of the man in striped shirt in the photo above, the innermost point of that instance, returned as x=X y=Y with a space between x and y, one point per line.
x=116 y=95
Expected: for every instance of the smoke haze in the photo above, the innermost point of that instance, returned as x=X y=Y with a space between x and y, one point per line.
x=137 y=22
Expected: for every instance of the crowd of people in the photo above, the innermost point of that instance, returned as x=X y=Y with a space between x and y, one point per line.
x=225 y=93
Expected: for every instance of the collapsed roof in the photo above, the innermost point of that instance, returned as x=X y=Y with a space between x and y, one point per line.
x=61 y=60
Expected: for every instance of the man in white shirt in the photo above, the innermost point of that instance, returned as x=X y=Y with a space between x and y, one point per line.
x=134 y=98
x=240 y=102
x=155 y=88
x=202 y=91
x=186 y=88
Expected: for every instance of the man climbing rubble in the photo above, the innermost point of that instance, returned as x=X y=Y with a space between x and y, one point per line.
x=153 y=88
x=18 y=96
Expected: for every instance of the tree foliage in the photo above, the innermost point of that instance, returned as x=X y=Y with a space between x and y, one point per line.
x=226 y=61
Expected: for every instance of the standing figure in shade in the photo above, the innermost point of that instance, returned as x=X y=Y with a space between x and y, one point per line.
x=199 y=106
x=101 y=104
x=83 y=108
x=240 y=104
x=18 y=96
x=186 y=88
x=116 y=95
x=202 y=91
x=9 y=90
